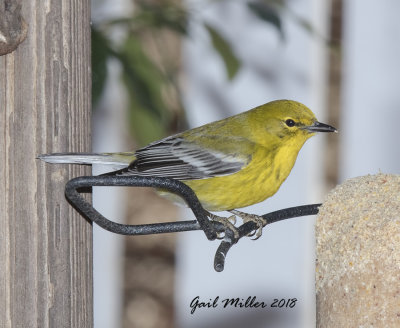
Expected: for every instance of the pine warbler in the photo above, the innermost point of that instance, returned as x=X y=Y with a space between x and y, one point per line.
x=232 y=163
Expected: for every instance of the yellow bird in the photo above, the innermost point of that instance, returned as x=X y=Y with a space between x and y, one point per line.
x=232 y=163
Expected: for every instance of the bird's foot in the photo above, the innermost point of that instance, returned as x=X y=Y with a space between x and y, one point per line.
x=257 y=219
x=228 y=223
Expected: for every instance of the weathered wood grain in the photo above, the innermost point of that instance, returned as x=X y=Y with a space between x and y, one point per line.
x=45 y=246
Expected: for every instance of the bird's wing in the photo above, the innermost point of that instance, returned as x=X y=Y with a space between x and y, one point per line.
x=178 y=158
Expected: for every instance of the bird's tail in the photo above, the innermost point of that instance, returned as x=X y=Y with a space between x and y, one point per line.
x=118 y=160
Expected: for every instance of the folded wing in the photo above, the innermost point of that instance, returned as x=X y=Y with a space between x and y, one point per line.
x=177 y=158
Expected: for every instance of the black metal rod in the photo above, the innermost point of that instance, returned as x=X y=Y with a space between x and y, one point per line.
x=210 y=228
x=177 y=187
x=248 y=227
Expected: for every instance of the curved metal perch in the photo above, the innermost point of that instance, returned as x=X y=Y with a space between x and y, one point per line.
x=209 y=227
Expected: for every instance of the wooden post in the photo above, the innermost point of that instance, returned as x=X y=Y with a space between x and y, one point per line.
x=45 y=100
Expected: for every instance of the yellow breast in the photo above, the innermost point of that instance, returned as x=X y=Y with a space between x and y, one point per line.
x=260 y=179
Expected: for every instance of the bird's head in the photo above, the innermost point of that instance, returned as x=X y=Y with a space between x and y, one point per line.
x=288 y=121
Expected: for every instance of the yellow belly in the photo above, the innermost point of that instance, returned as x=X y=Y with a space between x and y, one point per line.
x=253 y=184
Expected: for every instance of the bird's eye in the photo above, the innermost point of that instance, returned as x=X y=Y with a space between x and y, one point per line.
x=289 y=122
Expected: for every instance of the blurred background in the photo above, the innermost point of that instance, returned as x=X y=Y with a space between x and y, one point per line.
x=160 y=67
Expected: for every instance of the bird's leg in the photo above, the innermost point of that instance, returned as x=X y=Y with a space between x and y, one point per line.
x=257 y=219
x=228 y=223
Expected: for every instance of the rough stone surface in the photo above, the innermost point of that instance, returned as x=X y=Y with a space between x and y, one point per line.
x=358 y=254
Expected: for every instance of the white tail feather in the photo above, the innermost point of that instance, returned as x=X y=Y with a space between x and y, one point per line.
x=85 y=158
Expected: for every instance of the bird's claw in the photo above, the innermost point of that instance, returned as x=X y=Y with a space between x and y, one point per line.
x=257 y=219
x=232 y=219
x=228 y=223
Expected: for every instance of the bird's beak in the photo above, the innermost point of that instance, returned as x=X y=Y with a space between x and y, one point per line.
x=319 y=127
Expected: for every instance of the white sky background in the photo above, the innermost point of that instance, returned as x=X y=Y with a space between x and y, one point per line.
x=109 y=133
x=371 y=89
